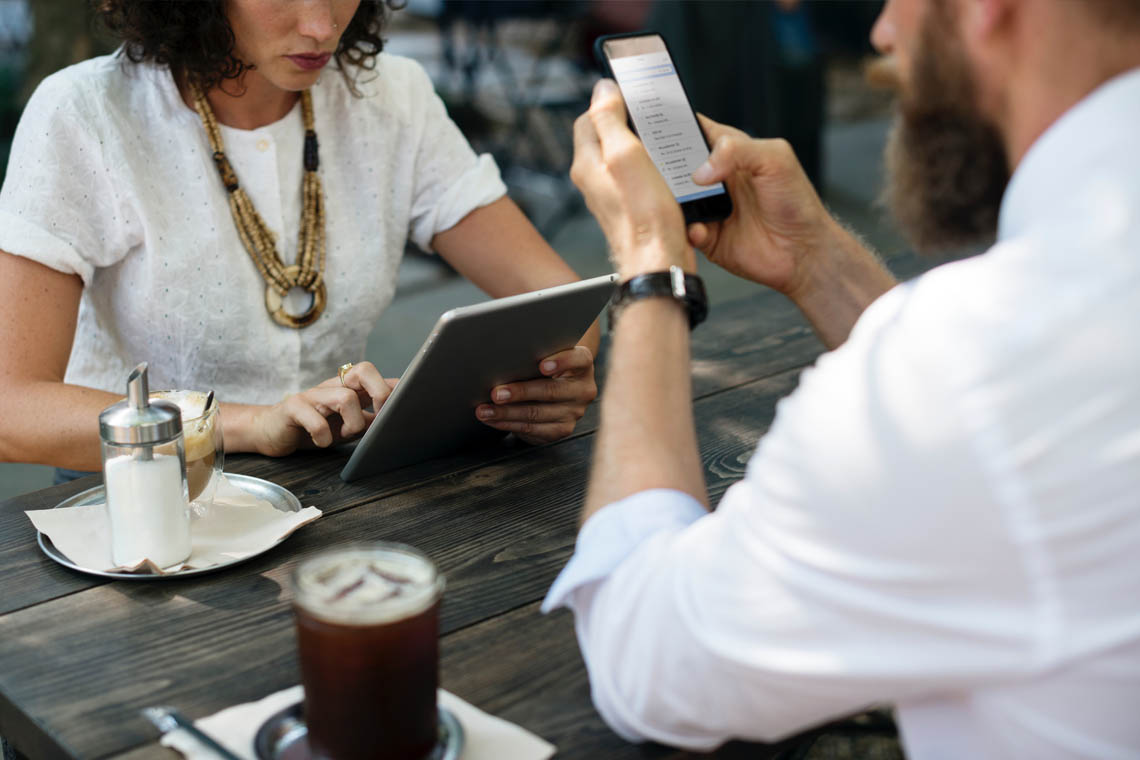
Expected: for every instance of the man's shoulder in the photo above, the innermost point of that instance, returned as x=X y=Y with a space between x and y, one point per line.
x=960 y=298
x=956 y=325
x=1005 y=316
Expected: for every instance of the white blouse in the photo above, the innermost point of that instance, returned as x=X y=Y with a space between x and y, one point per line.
x=111 y=178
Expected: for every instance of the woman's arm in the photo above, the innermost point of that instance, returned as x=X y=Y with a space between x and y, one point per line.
x=46 y=421
x=499 y=250
x=43 y=420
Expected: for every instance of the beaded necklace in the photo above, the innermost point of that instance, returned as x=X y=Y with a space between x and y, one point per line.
x=259 y=240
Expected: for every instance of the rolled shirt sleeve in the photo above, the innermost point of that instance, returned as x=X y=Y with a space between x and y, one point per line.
x=613 y=533
x=450 y=180
x=60 y=205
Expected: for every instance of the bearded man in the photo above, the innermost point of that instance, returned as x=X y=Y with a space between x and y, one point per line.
x=945 y=514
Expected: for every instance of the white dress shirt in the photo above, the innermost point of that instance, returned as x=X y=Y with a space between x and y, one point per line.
x=945 y=515
x=111 y=178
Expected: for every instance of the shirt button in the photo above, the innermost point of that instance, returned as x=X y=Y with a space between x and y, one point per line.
x=263 y=145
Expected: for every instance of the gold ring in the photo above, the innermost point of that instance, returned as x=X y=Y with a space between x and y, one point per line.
x=342 y=370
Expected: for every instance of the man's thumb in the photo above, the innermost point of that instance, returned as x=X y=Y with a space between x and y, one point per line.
x=706 y=174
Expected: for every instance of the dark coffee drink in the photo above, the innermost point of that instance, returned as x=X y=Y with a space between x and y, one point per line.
x=368 y=640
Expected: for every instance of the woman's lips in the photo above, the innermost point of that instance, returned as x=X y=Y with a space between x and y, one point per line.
x=310 y=62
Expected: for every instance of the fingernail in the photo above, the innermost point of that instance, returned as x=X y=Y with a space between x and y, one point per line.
x=485 y=412
x=549 y=366
x=603 y=88
x=704 y=173
x=502 y=395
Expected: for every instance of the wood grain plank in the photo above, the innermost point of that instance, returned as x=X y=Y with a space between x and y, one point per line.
x=27 y=576
x=492 y=666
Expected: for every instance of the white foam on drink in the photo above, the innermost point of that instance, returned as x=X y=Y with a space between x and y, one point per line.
x=367 y=586
x=190 y=403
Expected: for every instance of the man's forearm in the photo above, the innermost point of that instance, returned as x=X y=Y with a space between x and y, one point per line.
x=647 y=438
x=843 y=280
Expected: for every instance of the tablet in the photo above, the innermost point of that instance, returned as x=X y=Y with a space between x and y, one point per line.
x=471 y=350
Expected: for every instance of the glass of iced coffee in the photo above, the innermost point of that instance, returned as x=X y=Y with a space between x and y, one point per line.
x=202 y=434
x=368 y=642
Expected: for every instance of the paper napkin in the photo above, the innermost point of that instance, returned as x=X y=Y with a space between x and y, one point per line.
x=236 y=525
x=485 y=736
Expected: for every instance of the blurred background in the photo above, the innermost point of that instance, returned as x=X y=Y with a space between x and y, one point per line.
x=514 y=75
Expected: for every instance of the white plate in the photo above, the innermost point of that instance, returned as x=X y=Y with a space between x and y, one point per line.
x=279 y=497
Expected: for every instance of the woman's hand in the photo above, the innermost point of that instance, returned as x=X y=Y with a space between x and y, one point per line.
x=330 y=413
x=778 y=227
x=540 y=411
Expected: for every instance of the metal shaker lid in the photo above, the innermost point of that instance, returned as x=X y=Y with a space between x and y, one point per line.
x=138 y=419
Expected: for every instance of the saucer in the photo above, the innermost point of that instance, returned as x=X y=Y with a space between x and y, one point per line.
x=281 y=499
x=285 y=737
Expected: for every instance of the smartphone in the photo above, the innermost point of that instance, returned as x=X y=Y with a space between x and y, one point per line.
x=662 y=116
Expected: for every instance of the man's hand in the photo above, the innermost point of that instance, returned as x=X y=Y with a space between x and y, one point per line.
x=780 y=235
x=330 y=413
x=624 y=191
x=778 y=225
x=539 y=411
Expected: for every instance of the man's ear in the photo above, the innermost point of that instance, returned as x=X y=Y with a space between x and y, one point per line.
x=982 y=19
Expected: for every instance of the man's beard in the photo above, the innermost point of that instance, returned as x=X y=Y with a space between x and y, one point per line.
x=946 y=164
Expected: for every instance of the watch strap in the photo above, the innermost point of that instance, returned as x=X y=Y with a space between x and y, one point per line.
x=686 y=289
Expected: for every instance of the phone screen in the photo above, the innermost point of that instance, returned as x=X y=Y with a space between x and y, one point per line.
x=660 y=112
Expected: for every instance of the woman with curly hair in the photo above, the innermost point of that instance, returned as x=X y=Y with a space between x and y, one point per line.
x=228 y=197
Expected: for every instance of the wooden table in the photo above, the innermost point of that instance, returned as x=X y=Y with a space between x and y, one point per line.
x=80 y=656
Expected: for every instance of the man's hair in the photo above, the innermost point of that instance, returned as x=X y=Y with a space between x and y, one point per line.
x=1115 y=13
x=194 y=37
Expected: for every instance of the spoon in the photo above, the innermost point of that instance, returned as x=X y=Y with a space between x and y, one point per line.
x=205 y=408
x=167 y=719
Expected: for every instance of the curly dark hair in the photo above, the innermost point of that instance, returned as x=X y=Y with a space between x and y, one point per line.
x=194 y=37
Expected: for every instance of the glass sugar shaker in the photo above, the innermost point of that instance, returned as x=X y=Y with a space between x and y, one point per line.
x=144 y=473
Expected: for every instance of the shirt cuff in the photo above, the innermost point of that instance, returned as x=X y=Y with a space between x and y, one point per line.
x=613 y=532
x=22 y=238
x=481 y=185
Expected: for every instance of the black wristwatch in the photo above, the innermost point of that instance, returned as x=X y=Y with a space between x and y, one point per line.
x=686 y=289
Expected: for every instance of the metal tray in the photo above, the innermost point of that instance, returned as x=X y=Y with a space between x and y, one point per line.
x=279 y=497
x=284 y=736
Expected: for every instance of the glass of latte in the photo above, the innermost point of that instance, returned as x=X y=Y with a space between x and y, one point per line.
x=202 y=434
